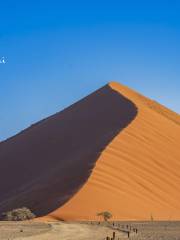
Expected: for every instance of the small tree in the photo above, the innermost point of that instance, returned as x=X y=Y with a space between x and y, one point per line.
x=19 y=214
x=106 y=215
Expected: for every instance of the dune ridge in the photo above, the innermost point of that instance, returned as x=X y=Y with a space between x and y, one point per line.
x=114 y=150
x=159 y=108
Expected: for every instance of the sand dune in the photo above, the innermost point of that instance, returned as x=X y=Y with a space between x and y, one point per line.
x=45 y=165
x=114 y=150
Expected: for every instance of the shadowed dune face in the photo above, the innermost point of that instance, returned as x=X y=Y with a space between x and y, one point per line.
x=46 y=164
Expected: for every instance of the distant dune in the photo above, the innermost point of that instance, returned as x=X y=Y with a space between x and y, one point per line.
x=114 y=150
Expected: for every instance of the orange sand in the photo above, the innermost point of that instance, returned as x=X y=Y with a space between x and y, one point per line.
x=138 y=174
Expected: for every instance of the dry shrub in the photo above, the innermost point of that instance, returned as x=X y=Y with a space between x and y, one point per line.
x=19 y=214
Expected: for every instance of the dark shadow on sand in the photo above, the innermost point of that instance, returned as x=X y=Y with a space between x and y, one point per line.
x=45 y=165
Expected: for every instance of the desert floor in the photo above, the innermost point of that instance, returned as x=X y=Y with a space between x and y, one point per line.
x=87 y=231
x=55 y=231
x=165 y=230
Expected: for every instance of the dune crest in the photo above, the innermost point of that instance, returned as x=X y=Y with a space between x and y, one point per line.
x=114 y=150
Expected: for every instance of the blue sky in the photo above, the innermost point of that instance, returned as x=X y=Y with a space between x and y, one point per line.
x=59 y=51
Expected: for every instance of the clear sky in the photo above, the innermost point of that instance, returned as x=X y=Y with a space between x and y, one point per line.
x=57 y=52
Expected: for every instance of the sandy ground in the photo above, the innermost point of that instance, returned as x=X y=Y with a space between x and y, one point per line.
x=87 y=231
x=149 y=230
x=16 y=230
x=156 y=230
x=56 y=231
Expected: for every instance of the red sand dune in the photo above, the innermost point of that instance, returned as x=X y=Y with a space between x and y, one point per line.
x=114 y=150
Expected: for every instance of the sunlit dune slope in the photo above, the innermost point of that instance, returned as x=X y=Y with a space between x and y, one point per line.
x=114 y=150
x=137 y=176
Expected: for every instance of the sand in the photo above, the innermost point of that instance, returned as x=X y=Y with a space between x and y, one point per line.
x=17 y=230
x=55 y=231
x=87 y=231
x=114 y=150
